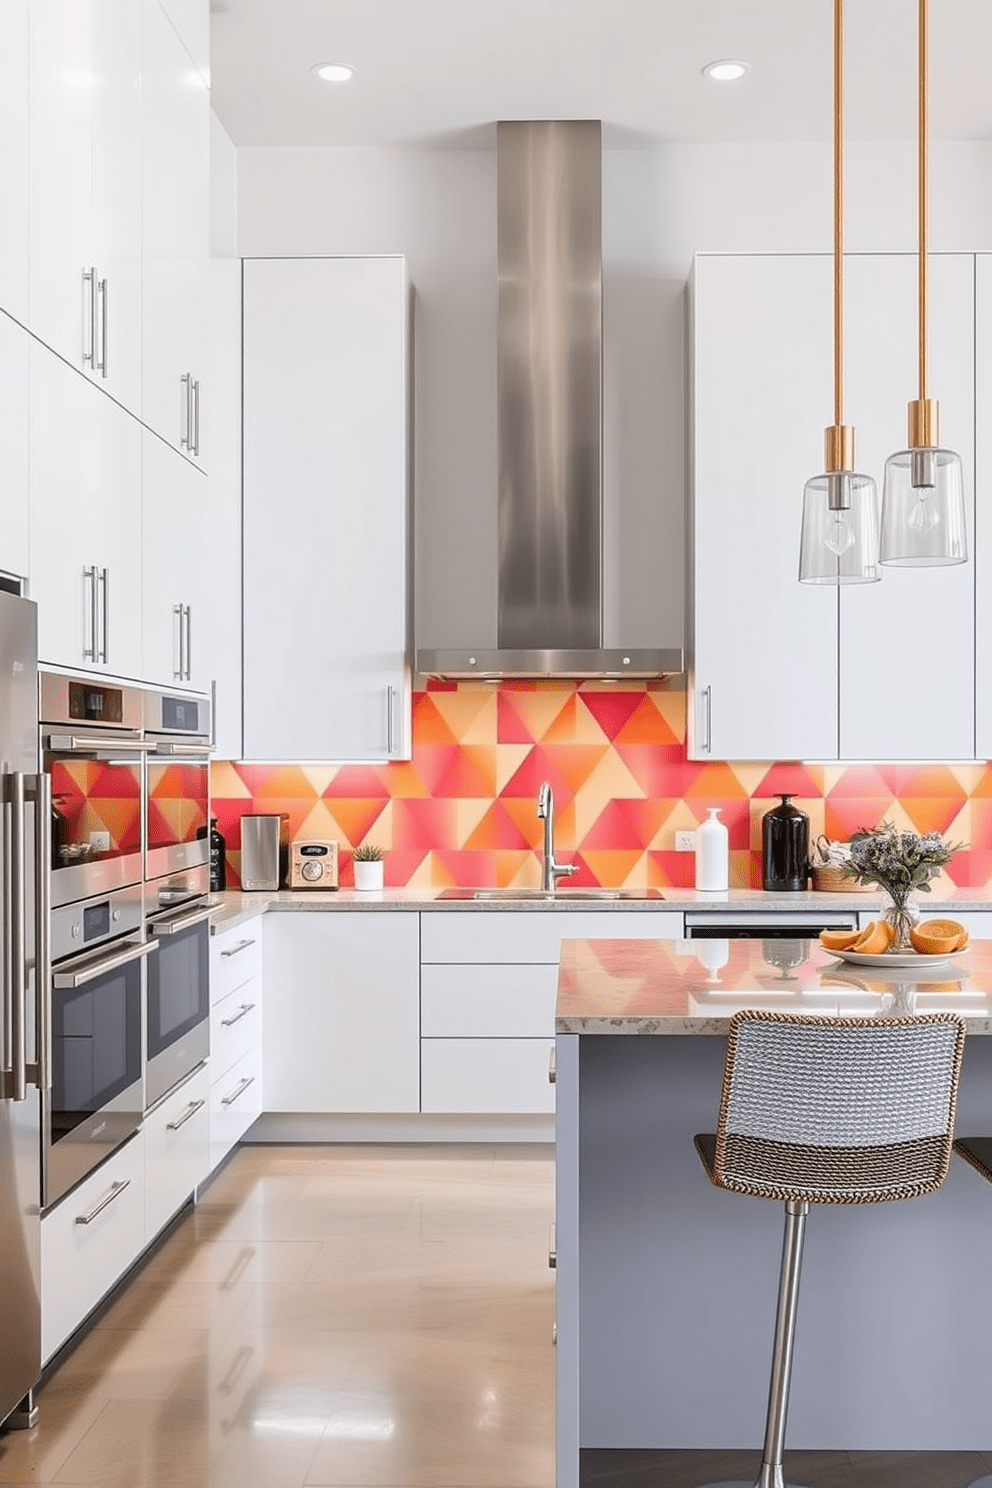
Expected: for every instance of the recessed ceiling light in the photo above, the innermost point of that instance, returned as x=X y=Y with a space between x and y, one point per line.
x=725 y=71
x=334 y=72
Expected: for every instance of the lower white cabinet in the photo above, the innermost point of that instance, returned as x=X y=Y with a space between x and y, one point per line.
x=177 y=1149
x=342 y=1011
x=235 y=1035
x=488 y=988
x=89 y=1240
x=235 y=1103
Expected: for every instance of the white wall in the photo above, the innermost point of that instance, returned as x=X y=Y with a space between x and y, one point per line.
x=659 y=207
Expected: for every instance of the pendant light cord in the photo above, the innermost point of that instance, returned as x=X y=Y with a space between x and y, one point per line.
x=839 y=211
x=922 y=189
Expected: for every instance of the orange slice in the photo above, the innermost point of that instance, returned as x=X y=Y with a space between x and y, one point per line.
x=874 y=939
x=938 y=937
x=838 y=940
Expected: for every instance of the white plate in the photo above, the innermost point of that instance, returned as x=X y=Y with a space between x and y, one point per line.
x=896 y=958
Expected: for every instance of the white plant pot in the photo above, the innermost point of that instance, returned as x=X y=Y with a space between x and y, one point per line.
x=368 y=876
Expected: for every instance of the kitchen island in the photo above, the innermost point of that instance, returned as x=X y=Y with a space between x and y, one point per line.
x=666 y=1285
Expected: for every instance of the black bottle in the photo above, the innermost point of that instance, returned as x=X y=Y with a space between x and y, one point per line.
x=784 y=848
x=218 y=859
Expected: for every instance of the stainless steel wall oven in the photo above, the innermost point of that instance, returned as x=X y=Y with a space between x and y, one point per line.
x=177 y=1027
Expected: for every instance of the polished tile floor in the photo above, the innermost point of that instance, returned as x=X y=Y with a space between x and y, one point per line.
x=338 y=1316
x=357 y=1317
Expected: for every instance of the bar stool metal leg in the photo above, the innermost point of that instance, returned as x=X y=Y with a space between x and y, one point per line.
x=770 y=1475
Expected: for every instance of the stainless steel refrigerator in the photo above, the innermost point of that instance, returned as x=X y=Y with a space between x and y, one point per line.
x=24 y=1043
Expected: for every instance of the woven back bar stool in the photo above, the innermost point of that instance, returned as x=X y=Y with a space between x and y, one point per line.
x=829 y=1111
x=978 y=1152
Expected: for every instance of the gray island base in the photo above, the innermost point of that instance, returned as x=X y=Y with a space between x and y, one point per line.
x=666 y=1286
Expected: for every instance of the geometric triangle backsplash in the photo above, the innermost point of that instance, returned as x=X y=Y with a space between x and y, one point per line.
x=462 y=811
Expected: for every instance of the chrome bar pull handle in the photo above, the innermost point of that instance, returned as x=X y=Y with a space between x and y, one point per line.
x=553 y=1065
x=16 y=932
x=389 y=720
x=189 y=641
x=42 y=791
x=213 y=714
x=181 y=922
x=101 y=362
x=196 y=418
x=177 y=670
x=553 y=1248
x=708 y=706
x=90 y=577
x=187 y=1115
x=114 y=1192
x=105 y=589
x=186 y=436
x=89 y=318
x=238 y=1091
x=242 y=945
x=243 y=1011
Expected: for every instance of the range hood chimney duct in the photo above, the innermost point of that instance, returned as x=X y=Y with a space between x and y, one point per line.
x=549 y=415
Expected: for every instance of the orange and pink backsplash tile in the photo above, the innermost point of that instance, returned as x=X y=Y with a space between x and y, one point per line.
x=462 y=811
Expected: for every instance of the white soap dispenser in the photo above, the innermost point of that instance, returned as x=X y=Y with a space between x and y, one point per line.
x=712 y=853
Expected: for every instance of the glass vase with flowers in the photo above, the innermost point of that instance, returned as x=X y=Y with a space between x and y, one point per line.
x=901 y=863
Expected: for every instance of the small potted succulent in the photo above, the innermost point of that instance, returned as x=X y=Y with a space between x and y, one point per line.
x=368 y=866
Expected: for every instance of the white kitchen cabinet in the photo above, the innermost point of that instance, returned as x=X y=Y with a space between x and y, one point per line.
x=783 y=670
x=177 y=1149
x=191 y=19
x=907 y=644
x=488 y=985
x=14 y=162
x=174 y=500
x=236 y=1034
x=764 y=672
x=327 y=542
x=15 y=533
x=342 y=1012
x=218 y=650
x=175 y=148
x=85 y=187
x=983 y=508
x=88 y=1240
x=85 y=455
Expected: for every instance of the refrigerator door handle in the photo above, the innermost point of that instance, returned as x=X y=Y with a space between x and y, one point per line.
x=16 y=1082
x=41 y=791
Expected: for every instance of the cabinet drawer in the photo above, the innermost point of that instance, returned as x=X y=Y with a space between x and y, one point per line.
x=177 y=1149
x=488 y=1001
x=235 y=958
x=494 y=1076
x=235 y=1101
x=86 y=1248
x=235 y=1027
x=505 y=937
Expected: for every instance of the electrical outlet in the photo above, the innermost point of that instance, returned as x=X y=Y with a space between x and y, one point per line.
x=685 y=842
x=100 y=841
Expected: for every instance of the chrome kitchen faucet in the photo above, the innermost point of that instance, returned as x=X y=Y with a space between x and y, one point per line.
x=551 y=871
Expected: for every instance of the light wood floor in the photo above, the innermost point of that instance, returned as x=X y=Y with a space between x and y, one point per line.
x=357 y=1317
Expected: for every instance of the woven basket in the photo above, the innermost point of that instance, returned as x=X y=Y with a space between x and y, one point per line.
x=831 y=880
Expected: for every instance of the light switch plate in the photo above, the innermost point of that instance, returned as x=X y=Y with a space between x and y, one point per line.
x=685 y=842
x=100 y=841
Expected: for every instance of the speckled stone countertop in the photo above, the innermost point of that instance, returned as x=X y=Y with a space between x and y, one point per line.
x=235 y=906
x=685 y=987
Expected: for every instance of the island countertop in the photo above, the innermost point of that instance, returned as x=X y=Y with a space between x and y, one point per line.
x=695 y=987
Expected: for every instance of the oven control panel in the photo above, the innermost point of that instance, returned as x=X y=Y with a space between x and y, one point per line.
x=313 y=865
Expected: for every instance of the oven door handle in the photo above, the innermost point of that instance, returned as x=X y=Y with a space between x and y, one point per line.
x=181 y=922
x=68 y=981
x=75 y=744
x=174 y=749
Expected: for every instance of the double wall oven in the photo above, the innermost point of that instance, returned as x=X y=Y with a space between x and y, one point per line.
x=129 y=771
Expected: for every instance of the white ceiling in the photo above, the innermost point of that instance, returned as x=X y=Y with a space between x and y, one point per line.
x=441 y=71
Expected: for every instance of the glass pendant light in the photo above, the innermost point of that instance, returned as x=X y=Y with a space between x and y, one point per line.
x=923 y=523
x=839 y=542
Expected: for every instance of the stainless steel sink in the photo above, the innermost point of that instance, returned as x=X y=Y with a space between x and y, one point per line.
x=548 y=895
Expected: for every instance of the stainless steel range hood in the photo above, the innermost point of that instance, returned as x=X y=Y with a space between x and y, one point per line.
x=549 y=416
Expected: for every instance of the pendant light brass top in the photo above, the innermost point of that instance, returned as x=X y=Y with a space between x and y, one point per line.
x=924 y=423
x=838 y=440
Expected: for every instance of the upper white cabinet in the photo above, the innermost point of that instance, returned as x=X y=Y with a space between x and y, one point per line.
x=983 y=519
x=175 y=147
x=85 y=455
x=764 y=646
x=174 y=501
x=326 y=509
x=783 y=670
x=85 y=187
x=191 y=18
x=15 y=532
x=14 y=191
